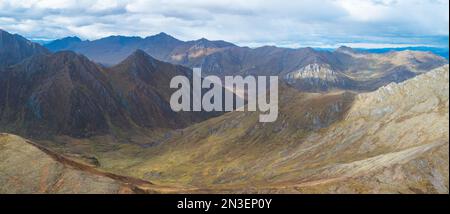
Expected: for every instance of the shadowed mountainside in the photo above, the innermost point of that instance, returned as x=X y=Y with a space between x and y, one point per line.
x=59 y=93
x=66 y=93
x=15 y=48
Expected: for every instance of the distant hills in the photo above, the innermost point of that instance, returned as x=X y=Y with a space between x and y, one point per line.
x=62 y=44
x=443 y=52
x=440 y=51
x=342 y=69
x=113 y=49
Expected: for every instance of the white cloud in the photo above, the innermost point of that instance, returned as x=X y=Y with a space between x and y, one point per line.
x=278 y=22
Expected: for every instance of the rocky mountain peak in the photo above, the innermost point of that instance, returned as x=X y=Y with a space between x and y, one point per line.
x=314 y=70
x=163 y=38
x=139 y=58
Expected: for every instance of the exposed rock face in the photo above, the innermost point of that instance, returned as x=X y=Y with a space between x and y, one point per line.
x=25 y=168
x=402 y=130
x=322 y=72
x=15 y=48
x=318 y=77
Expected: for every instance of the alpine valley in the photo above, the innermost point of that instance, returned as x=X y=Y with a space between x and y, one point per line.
x=94 y=117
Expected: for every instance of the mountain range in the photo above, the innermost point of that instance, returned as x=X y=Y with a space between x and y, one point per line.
x=47 y=94
x=378 y=142
x=94 y=117
x=304 y=68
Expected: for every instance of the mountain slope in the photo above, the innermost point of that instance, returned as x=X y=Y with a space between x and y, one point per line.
x=63 y=44
x=61 y=93
x=26 y=168
x=15 y=48
x=392 y=140
x=142 y=84
x=311 y=70
x=67 y=94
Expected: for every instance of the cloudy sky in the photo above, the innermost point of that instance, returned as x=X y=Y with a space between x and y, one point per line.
x=317 y=23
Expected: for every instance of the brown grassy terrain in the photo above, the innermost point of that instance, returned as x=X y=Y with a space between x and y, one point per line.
x=393 y=140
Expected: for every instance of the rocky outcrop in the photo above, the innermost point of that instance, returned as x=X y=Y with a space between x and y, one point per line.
x=318 y=77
